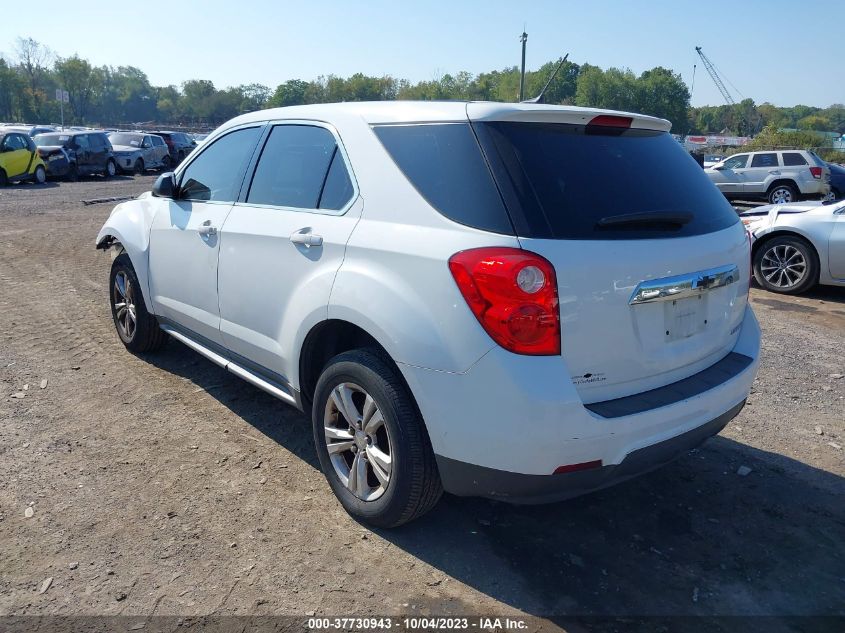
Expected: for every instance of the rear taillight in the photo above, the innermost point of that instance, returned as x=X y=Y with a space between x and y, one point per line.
x=817 y=172
x=513 y=294
x=611 y=120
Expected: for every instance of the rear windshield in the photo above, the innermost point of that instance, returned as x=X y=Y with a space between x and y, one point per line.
x=559 y=181
x=133 y=140
x=51 y=139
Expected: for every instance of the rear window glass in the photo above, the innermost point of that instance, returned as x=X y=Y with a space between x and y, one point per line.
x=51 y=139
x=764 y=160
x=560 y=181
x=791 y=159
x=126 y=139
x=444 y=163
x=293 y=167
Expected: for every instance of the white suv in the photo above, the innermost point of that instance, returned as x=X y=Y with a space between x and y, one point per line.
x=779 y=177
x=439 y=286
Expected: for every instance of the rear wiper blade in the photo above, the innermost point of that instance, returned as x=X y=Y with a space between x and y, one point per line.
x=650 y=217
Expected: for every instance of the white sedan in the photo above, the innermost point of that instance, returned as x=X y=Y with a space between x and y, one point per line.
x=796 y=246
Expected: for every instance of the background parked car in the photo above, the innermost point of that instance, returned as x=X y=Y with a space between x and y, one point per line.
x=19 y=159
x=796 y=246
x=86 y=153
x=179 y=144
x=31 y=130
x=776 y=176
x=837 y=182
x=136 y=152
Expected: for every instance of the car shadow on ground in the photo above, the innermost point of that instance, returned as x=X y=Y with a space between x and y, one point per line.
x=693 y=538
x=829 y=294
x=281 y=423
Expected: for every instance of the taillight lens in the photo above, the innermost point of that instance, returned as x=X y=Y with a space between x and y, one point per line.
x=817 y=172
x=513 y=294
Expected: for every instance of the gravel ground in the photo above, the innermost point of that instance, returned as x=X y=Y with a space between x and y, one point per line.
x=163 y=485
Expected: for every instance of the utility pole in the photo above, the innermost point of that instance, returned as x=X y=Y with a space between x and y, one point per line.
x=522 y=38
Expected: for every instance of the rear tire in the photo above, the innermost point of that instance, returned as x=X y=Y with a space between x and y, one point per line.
x=40 y=175
x=137 y=329
x=110 y=170
x=395 y=477
x=165 y=163
x=786 y=265
x=782 y=194
x=4 y=180
x=72 y=173
x=139 y=167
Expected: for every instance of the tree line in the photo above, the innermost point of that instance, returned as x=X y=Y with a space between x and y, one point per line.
x=109 y=96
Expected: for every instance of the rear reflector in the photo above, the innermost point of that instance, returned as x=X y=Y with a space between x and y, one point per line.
x=609 y=120
x=817 y=172
x=571 y=468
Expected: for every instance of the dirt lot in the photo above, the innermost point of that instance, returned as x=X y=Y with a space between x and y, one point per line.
x=164 y=485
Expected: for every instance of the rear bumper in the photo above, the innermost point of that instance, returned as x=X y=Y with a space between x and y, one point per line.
x=504 y=426
x=469 y=480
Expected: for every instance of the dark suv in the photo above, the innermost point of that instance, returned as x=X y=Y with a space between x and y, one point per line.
x=179 y=144
x=74 y=154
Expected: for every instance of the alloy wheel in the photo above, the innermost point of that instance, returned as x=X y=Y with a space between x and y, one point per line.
x=781 y=195
x=123 y=299
x=358 y=441
x=783 y=266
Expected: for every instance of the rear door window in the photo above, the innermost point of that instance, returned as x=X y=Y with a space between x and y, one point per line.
x=564 y=181
x=338 y=188
x=293 y=166
x=764 y=160
x=444 y=163
x=793 y=159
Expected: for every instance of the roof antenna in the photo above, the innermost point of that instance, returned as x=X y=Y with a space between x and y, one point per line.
x=539 y=97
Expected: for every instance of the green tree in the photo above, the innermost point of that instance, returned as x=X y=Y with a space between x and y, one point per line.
x=662 y=93
x=82 y=82
x=197 y=99
x=290 y=93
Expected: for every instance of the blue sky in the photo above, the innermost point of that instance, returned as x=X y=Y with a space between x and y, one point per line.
x=784 y=52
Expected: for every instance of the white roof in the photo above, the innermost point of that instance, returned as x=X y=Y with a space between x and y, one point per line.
x=441 y=111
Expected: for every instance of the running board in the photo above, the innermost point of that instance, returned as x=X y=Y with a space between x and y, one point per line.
x=265 y=385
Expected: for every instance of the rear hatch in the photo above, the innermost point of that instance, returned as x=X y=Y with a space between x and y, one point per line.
x=652 y=262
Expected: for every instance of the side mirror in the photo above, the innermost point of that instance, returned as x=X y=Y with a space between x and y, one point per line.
x=165 y=186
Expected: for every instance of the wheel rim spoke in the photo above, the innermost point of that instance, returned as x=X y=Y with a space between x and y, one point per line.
x=379 y=459
x=342 y=397
x=375 y=422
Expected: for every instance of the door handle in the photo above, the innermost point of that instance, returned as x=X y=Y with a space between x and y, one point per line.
x=774 y=172
x=207 y=229
x=306 y=238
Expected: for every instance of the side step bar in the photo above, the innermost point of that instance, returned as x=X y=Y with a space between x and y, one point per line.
x=274 y=389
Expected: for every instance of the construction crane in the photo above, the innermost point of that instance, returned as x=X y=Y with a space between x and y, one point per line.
x=711 y=70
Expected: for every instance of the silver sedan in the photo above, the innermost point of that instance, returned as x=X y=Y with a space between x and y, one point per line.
x=796 y=246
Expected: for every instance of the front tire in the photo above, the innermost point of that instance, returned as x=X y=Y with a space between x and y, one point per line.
x=138 y=329
x=786 y=265
x=371 y=441
x=782 y=194
x=40 y=175
x=4 y=180
x=111 y=169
